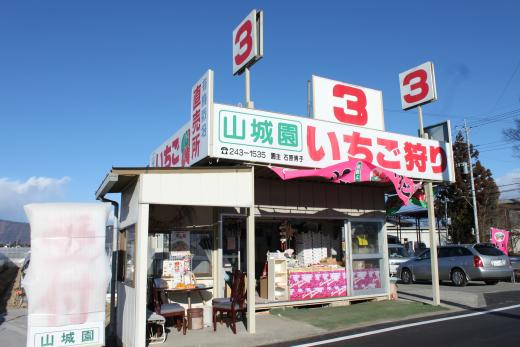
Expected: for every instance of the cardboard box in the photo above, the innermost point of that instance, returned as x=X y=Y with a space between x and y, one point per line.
x=263 y=287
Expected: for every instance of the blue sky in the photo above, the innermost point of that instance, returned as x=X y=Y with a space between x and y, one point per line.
x=86 y=85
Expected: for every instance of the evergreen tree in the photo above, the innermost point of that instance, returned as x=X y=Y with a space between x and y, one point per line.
x=459 y=200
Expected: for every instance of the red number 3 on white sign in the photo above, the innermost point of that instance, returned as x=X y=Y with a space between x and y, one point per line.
x=417 y=86
x=247 y=41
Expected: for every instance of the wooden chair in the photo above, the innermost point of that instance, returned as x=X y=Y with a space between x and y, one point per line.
x=234 y=305
x=172 y=310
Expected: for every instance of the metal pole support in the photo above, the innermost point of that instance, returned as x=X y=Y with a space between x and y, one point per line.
x=431 y=225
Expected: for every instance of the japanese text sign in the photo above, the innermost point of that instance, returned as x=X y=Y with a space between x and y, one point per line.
x=201 y=107
x=67 y=279
x=174 y=152
x=248 y=41
x=346 y=103
x=260 y=136
x=191 y=143
x=418 y=86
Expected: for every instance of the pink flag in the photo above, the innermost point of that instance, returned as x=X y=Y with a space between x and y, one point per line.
x=352 y=171
x=500 y=238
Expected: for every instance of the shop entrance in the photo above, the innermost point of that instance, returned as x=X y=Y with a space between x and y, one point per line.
x=233 y=240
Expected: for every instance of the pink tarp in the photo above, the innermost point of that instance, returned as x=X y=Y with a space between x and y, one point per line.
x=352 y=171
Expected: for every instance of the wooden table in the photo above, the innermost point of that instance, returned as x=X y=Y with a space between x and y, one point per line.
x=188 y=291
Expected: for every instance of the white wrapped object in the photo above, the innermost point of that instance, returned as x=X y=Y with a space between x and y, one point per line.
x=68 y=275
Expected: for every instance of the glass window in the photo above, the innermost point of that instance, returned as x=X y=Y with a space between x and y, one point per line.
x=398 y=252
x=127 y=256
x=446 y=252
x=425 y=255
x=366 y=274
x=488 y=250
x=201 y=246
x=366 y=237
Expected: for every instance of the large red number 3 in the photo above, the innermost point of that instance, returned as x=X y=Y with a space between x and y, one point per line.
x=421 y=84
x=359 y=105
x=245 y=40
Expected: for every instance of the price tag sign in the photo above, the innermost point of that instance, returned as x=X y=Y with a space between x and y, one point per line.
x=418 y=86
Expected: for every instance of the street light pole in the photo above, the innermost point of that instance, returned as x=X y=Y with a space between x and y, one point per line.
x=473 y=195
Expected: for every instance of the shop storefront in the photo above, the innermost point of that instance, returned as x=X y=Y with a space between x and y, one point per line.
x=296 y=203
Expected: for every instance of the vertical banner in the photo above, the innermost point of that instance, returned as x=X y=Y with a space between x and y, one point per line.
x=201 y=107
x=68 y=275
x=500 y=238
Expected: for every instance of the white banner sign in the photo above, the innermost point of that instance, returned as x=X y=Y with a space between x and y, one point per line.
x=418 y=86
x=248 y=41
x=67 y=279
x=346 y=103
x=190 y=144
x=266 y=137
x=89 y=334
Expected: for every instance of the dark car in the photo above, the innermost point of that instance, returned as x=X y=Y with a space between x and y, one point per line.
x=460 y=264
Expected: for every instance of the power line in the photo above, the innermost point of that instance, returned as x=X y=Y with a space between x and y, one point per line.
x=507 y=84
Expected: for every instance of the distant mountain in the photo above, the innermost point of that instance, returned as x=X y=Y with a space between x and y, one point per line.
x=14 y=232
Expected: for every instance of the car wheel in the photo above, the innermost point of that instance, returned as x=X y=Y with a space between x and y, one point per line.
x=406 y=276
x=458 y=277
x=491 y=283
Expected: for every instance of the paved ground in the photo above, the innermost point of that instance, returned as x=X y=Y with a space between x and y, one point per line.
x=471 y=328
x=272 y=329
x=474 y=295
x=13 y=328
x=269 y=329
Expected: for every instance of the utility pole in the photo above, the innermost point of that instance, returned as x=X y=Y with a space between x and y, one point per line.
x=475 y=214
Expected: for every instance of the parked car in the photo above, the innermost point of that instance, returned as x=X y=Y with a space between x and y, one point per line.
x=397 y=254
x=460 y=264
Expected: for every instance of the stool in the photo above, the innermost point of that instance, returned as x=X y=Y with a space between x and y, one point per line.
x=152 y=319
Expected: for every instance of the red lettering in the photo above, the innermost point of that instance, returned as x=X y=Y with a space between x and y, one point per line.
x=175 y=146
x=359 y=105
x=314 y=153
x=390 y=146
x=245 y=40
x=357 y=148
x=415 y=156
x=335 y=146
x=421 y=84
x=434 y=153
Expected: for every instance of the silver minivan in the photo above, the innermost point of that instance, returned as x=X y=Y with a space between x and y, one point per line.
x=460 y=264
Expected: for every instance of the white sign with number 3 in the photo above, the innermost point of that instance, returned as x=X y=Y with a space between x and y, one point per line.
x=418 y=86
x=247 y=45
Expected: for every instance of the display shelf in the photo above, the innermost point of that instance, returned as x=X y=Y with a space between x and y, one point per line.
x=278 y=288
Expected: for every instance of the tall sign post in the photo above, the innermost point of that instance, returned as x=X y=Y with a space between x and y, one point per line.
x=248 y=47
x=418 y=88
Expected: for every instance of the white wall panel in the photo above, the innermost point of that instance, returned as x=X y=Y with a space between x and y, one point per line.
x=198 y=188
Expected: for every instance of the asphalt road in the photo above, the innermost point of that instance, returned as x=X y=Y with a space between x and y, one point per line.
x=470 y=328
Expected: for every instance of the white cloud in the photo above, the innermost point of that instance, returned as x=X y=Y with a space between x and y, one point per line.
x=15 y=194
x=509 y=185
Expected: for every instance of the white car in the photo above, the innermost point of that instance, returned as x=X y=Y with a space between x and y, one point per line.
x=397 y=254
